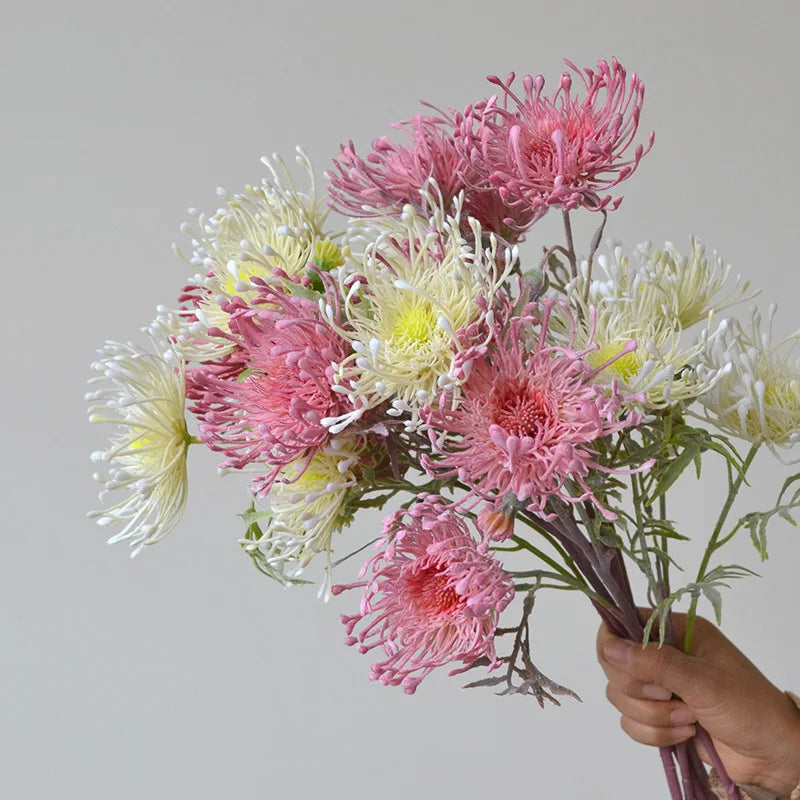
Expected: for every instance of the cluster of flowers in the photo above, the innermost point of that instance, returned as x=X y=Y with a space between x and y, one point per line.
x=413 y=353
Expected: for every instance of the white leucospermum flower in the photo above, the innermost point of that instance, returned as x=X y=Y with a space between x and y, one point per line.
x=268 y=227
x=419 y=282
x=758 y=395
x=666 y=283
x=645 y=301
x=143 y=394
x=306 y=508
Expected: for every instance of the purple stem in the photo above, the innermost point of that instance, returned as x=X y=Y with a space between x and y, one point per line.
x=671 y=773
x=701 y=776
x=722 y=773
x=605 y=571
x=687 y=774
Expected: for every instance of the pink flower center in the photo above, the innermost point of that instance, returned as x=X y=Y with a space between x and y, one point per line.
x=519 y=408
x=431 y=594
x=537 y=143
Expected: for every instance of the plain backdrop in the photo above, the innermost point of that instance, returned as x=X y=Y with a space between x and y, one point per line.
x=185 y=673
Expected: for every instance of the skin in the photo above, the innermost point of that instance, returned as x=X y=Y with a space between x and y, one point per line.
x=662 y=693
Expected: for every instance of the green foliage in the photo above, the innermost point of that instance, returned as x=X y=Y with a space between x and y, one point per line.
x=757 y=521
x=709 y=588
x=677 y=446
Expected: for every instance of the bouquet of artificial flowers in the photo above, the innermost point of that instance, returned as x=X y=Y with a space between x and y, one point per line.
x=530 y=416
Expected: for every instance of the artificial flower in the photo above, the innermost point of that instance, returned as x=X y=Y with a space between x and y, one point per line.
x=307 y=506
x=419 y=285
x=563 y=150
x=431 y=596
x=394 y=175
x=527 y=416
x=269 y=227
x=665 y=284
x=143 y=394
x=270 y=406
x=757 y=396
x=643 y=299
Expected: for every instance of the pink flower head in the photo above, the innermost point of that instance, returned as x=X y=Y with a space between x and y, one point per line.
x=561 y=150
x=393 y=175
x=432 y=596
x=271 y=409
x=527 y=418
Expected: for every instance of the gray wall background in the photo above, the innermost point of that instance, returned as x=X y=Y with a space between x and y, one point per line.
x=185 y=673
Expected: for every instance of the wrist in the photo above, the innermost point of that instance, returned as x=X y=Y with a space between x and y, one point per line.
x=783 y=778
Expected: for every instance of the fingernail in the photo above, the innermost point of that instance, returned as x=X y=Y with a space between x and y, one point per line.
x=619 y=652
x=684 y=732
x=681 y=716
x=653 y=692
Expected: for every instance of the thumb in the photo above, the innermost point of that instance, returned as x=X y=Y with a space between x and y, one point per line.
x=691 y=678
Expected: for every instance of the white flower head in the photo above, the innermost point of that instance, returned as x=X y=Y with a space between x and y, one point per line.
x=646 y=300
x=306 y=508
x=419 y=282
x=267 y=227
x=665 y=284
x=143 y=394
x=758 y=395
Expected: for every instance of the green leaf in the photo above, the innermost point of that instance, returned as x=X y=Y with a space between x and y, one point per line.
x=709 y=588
x=757 y=522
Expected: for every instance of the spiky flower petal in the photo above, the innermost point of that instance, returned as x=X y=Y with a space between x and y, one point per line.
x=527 y=418
x=757 y=397
x=142 y=393
x=306 y=507
x=562 y=150
x=270 y=408
x=269 y=227
x=432 y=596
x=419 y=284
x=645 y=298
x=665 y=284
x=394 y=175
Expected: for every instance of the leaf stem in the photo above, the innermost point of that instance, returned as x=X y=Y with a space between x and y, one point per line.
x=714 y=542
x=526 y=545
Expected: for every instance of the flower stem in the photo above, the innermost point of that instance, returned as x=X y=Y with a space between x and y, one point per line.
x=526 y=545
x=713 y=542
x=573 y=261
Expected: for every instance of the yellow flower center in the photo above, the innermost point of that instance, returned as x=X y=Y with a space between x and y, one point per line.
x=327 y=255
x=140 y=441
x=415 y=323
x=626 y=366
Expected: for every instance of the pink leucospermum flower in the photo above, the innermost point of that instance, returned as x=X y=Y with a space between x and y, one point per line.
x=432 y=595
x=270 y=409
x=527 y=417
x=563 y=150
x=394 y=174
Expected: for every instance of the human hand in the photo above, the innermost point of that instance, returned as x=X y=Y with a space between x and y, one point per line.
x=662 y=693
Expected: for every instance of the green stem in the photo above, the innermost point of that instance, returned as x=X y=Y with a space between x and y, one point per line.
x=553 y=543
x=662 y=513
x=714 y=542
x=645 y=552
x=526 y=545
